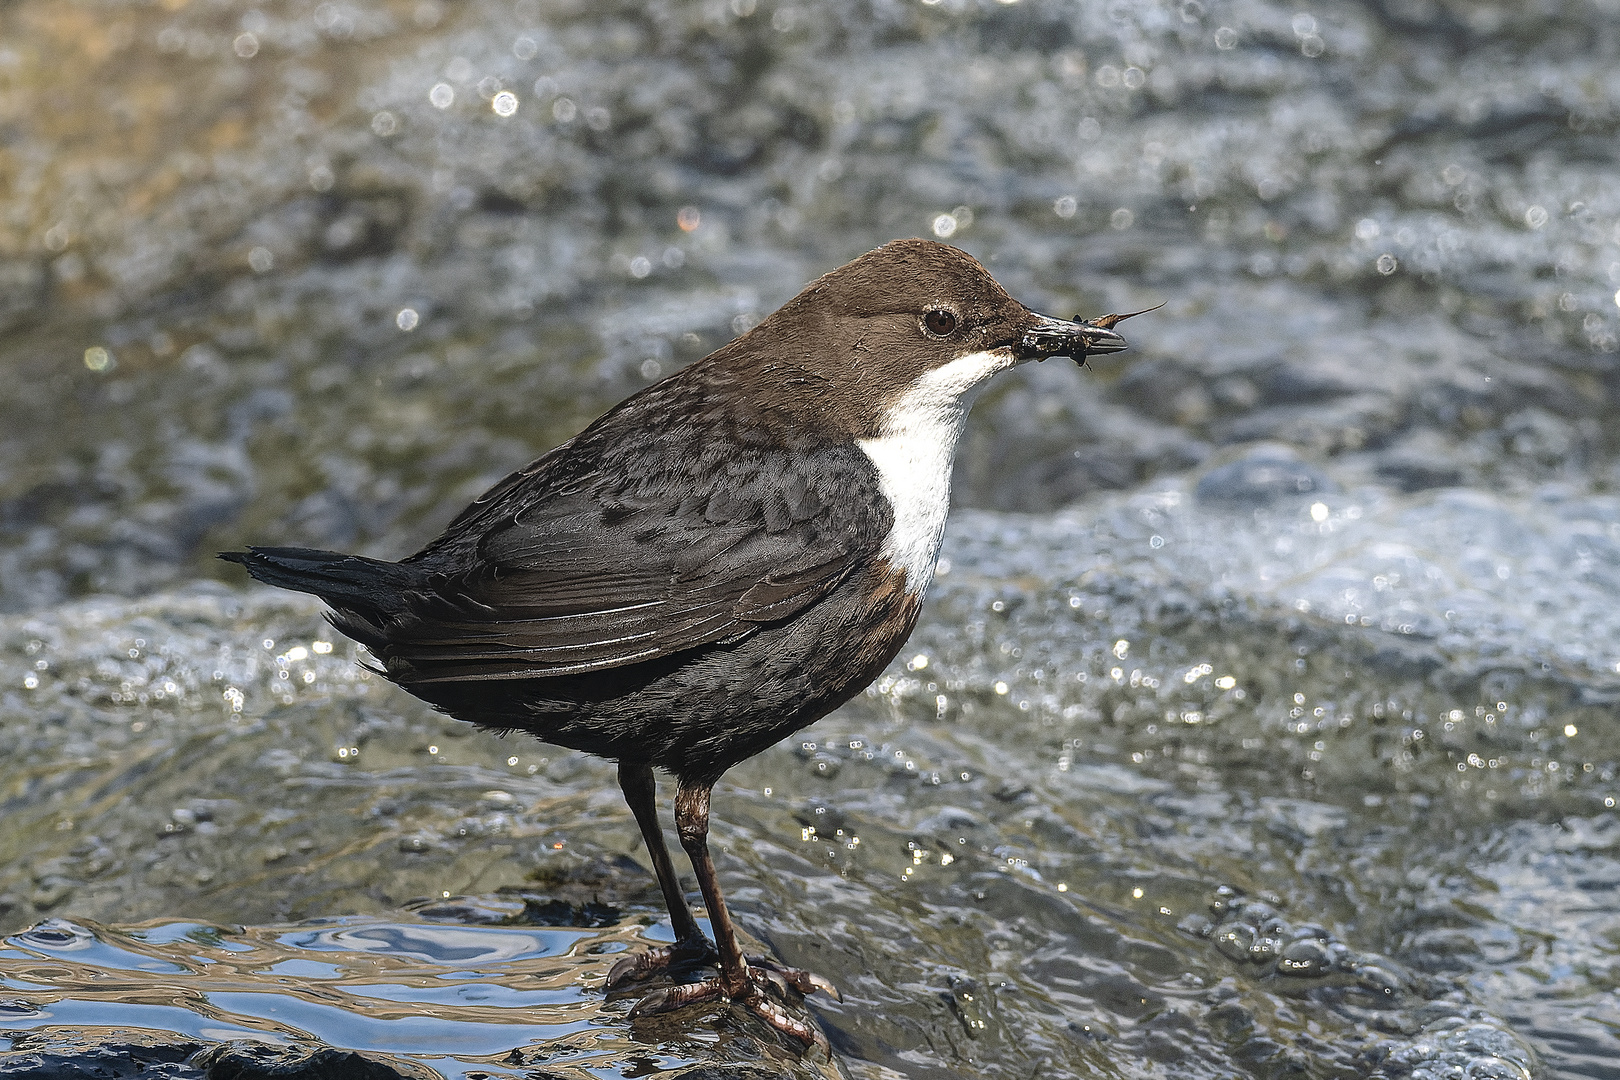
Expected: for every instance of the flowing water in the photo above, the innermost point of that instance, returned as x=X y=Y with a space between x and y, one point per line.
x=1263 y=718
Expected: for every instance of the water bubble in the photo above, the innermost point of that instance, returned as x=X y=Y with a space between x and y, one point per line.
x=1453 y=175
x=384 y=124
x=1386 y=264
x=944 y=226
x=1133 y=77
x=407 y=319
x=598 y=118
x=524 y=48
x=640 y=266
x=1121 y=219
x=504 y=103
x=1108 y=76
x=564 y=110
x=688 y=218
x=1225 y=38
x=1617 y=298
x=1065 y=206
x=97 y=358
x=674 y=258
x=651 y=368
x=1319 y=511
x=58 y=235
x=1367 y=229
x=246 y=46
x=1312 y=46
x=260 y=260
x=1535 y=217
x=1304 y=24
x=443 y=95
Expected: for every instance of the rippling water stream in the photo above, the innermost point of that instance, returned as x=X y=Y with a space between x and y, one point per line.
x=1262 y=723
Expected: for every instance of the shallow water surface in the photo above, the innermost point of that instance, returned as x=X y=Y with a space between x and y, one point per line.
x=425 y=998
x=1261 y=721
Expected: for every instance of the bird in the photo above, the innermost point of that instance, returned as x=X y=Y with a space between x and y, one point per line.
x=718 y=561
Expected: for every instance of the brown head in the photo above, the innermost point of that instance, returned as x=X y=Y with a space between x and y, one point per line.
x=860 y=337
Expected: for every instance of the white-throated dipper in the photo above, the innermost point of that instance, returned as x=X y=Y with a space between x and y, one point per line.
x=720 y=560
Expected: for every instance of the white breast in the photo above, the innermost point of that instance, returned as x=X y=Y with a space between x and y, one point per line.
x=913 y=458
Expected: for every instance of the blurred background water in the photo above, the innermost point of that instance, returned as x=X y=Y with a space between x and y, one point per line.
x=1263 y=719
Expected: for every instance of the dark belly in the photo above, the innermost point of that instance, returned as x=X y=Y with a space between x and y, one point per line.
x=697 y=714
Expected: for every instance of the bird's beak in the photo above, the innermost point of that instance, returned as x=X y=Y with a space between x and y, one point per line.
x=1074 y=339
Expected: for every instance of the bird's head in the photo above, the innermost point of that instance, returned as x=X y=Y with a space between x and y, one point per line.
x=912 y=317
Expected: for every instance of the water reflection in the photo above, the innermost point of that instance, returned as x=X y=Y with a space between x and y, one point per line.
x=391 y=989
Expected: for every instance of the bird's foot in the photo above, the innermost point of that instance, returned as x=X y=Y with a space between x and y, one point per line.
x=805 y=982
x=665 y=959
x=755 y=995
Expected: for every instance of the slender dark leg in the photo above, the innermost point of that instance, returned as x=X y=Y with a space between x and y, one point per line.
x=692 y=825
x=737 y=981
x=640 y=792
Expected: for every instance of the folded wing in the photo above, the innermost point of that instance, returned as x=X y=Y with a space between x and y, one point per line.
x=612 y=574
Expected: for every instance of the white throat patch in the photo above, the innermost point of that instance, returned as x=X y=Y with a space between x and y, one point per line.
x=914 y=454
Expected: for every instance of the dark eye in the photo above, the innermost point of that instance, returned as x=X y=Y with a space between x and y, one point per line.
x=940 y=323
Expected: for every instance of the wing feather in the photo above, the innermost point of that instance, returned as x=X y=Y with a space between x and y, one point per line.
x=611 y=572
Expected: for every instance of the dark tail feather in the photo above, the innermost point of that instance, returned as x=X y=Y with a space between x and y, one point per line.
x=369 y=588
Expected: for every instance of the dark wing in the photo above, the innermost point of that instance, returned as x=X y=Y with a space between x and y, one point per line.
x=678 y=551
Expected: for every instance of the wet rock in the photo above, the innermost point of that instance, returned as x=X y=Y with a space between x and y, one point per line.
x=97 y=1054
x=1260 y=477
x=541 y=911
x=1422 y=460
x=301 y=1061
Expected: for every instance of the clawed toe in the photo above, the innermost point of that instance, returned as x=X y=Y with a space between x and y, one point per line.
x=805 y=982
x=670 y=998
x=753 y=997
x=658 y=961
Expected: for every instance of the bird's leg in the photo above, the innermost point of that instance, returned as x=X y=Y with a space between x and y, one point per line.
x=692 y=825
x=737 y=981
x=691 y=947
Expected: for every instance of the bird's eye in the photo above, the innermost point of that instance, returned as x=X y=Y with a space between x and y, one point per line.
x=940 y=323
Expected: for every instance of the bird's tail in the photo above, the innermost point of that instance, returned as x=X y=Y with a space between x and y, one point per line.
x=355 y=586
